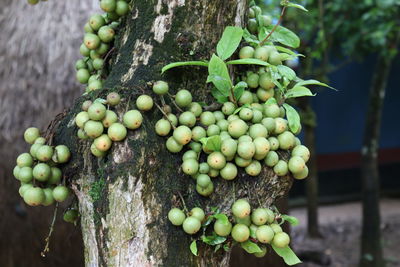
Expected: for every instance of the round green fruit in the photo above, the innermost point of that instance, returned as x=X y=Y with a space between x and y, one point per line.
x=93 y=128
x=91 y=41
x=60 y=193
x=144 y=102
x=122 y=8
x=25 y=174
x=190 y=166
x=173 y=146
x=271 y=159
x=81 y=118
x=265 y=234
x=71 y=216
x=61 y=154
x=207 y=118
x=113 y=99
x=237 y=128
x=132 y=119
x=301 y=151
x=197 y=213
x=96 y=21
x=191 y=225
x=204 y=168
x=240 y=233
x=48 y=197
x=183 y=98
x=254 y=168
x=281 y=168
x=34 y=196
x=272 y=111
x=96 y=152
x=41 y=172
x=176 y=216
x=241 y=208
x=229 y=147
x=55 y=176
x=110 y=118
x=281 y=240
x=301 y=175
x=108 y=5
x=160 y=88
x=228 y=108
x=31 y=134
x=241 y=162
x=24 y=160
x=246 y=149
x=229 y=172
x=187 y=118
x=222 y=228
x=182 y=135
x=286 y=140
x=216 y=160
x=246 y=52
x=117 y=132
x=97 y=111
x=296 y=164
x=163 y=127
x=260 y=216
x=207 y=191
x=198 y=132
x=106 y=34
x=103 y=142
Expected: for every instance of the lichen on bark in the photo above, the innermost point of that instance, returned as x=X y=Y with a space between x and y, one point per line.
x=127 y=225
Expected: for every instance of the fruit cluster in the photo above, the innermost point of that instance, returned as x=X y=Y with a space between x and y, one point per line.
x=259 y=226
x=97 y=42
x=41 y=179
x=99 y=123
x=247 y=136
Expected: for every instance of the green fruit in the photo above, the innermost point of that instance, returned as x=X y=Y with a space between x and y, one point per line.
x=204 y=168
x=144 y=102
x=281 y=240
x=257 y=116
x=264 y=95
x=255 y=99
x=60 y=193
x=237 y=128
x=269 y=123
x=110 y=118
x=213 y=130
x=163 y=127
x=276 y=228
x=286 y=140
x=44 y=153
x=246 y=98
x=108 y=5
x=301 y=151
x=173 y=119
x=195 y=147
x=262 y=147
x=241 y=162
x=195 y=108
x=173 y=146
x=55 y=176
x=216 y=160
x=213 y=172
x=245 y=138
x=191 y=225
x=265 y=20
x=82 y=76
x=81 y=118
x=282 y=113
x=223 y=125
x=274 y=143
x=176 y=216
x=281 y=168
x=272 y=111
x=198 y=213
x=86 y=105
x=228 y=108
x=240 y=233
x=222 y=228
x=96 y=152
x=41 y=172
x=254 y=168
x=218 y=115
x=94 y=55
x=198 y=132
x=187 y=118
x=252 y=80
x=132 y=119
x=122 y=8
x=82 y=135
x=246 y=114
x=251 y=13
x=261 y=53
x=207 y=118
x=232 y=118
x=275 y=58
x=203 y=180
x=252 y=25
x=48 y=197
x=266 y=82
x=190 y=154
x=241 y=208
x=160 y=88
x=260 y=216
x=271 y=159
x=205 y=192
x=296 y=164
x=91 y=40
x=229 y=172
x=84 y=51
x=301 y=175
x=71 y=216
x=246 y=52
x=112 y=16
x=24 y=160
x=265 y=234
x=246 y=220
x=224 y=135
x=34 y=196
x=246 y=149
x=40 y=140
x=31 y=134
x=117 y=132
x=113 y=99
x=25 y=174
x=97 y=111
x=93 y=128
x=190 y=166
x=23 y=189
x=98 y=63
x=258 y=130
x=61 y=154
x=229 y=147
x=96 y=21
x=281 y=125
x=16 y=172
x=34 y=149
x=182 y=135
x=106 y=34
x=183 y=98
x=103 y=142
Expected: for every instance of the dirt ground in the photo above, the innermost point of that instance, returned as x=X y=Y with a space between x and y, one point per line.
x=341 y=229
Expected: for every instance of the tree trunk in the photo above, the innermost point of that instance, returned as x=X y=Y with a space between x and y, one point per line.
x=371 y=247
x=124 y=198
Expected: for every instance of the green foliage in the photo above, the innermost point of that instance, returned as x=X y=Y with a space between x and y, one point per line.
x=287 y=254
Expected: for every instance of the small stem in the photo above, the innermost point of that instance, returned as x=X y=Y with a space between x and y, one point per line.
x=276 y=26
x=173 y=101
x=183 y=203
x=162 y=100
x=165 y=115
x=46 y=248
x=233 y=97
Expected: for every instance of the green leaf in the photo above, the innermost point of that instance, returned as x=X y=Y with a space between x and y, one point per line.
x=297 y=6
x=298 y=91
x=213 y=240
x=218 y=96
x=251 y=39
x=287 y=254
x=270 y=101
x=252 y=233
x=193 y=247
x=185 y=63
x=313 y=82
x=238 y=89
x=281 y=35
x=229 y=42
x=226 y=247
x=100 y=100
x=248 y=61
x=287 y=51
x=218 y=74
x=250 y=247
x=290 y=219
x=292 y=117
x=217 y=247
x=212 y=143
x=222 y=218
x=287 y=72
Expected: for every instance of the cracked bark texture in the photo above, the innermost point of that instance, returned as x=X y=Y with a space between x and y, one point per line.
x=124 y=197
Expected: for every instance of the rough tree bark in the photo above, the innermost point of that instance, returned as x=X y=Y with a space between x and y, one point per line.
x=124 y=198
x=371 y=242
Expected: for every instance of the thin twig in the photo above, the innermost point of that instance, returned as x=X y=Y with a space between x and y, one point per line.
x=46 y=248
x=183 y=203
x=165 y=115
x=173 y=101
x=275 y=27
